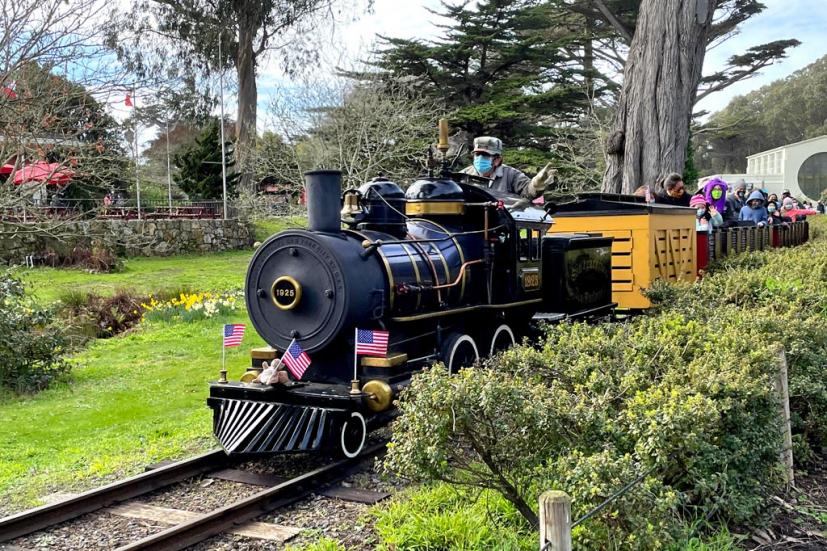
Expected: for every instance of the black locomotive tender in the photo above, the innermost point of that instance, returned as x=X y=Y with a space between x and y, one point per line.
x=452 y=270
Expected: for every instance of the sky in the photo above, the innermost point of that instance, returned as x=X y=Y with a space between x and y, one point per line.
x=805 y=20
x=346 y=43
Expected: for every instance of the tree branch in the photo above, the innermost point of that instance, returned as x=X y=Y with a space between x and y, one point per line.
x=614 y=21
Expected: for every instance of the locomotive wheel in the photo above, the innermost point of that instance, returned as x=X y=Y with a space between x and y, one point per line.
x=459 y=350
x=352 y=435
x=502 y=339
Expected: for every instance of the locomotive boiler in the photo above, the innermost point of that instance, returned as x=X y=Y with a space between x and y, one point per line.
x=449 y=269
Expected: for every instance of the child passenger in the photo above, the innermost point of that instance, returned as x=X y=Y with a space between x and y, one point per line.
x=706 y=215
x=754 y=210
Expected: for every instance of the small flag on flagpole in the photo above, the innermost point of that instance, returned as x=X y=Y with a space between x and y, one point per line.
x=371 y=342
x=128 y=100
x=233 y=333
x=296 y=359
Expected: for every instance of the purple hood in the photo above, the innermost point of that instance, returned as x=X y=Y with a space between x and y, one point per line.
x=720 y=204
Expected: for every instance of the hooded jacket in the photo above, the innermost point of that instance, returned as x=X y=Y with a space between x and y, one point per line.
x=758 y=214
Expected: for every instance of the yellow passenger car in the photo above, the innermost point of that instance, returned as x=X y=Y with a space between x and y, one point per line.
x=651 y=241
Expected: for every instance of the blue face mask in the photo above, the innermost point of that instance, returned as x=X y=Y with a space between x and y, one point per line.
x=700 y=212
x=482 y=164
x=771 y=209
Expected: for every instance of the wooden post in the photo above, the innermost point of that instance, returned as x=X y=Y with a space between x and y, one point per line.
x=783 y=390
x=555 y=521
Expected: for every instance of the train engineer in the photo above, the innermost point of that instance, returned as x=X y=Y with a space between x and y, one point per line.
x=488 y=163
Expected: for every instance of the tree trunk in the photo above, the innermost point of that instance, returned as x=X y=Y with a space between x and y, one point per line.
x=247 y=98
x=661 y=77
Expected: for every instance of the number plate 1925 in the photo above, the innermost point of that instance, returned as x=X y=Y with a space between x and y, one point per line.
x=530 y=278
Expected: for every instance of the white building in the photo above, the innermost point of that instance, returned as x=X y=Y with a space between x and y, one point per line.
x=799 y=167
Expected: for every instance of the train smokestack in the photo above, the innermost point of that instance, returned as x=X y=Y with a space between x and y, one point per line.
x=324 y=188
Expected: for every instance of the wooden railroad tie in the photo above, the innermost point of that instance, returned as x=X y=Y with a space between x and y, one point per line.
x=261 y=530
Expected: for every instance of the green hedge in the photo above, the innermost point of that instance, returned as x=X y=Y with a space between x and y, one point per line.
x=684 y=394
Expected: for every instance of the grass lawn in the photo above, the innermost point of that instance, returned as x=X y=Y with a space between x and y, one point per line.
x=205 y=272
x=132 y=400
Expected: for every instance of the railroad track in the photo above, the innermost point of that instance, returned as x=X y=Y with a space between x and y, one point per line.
x=201 y=526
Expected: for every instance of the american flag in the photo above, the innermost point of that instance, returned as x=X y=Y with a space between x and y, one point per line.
x=371 y=343
x=233 y=333
x=296 y=360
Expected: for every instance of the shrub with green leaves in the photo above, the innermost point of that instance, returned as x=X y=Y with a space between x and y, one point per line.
x=682 y=397
x=31 y=347
x=784 y=294
x=687 y=402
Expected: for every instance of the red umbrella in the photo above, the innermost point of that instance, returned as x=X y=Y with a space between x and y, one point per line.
x=51 y=173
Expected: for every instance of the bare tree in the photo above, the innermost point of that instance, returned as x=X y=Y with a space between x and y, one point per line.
x=53 y=61
x=365 y=129
x=181 y=37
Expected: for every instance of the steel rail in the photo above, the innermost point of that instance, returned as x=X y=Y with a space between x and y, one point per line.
x=220 y=520
x=44 y=516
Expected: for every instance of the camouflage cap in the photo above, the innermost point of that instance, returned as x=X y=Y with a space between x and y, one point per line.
x=488 y=144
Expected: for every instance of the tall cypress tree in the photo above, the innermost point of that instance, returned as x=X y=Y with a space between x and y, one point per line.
x=199 y=164
x=502 y=69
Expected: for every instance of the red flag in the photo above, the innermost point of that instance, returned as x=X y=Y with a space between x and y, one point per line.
x=128 y=101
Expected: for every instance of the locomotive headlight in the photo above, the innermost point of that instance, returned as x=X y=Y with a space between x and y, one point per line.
x=286 y=292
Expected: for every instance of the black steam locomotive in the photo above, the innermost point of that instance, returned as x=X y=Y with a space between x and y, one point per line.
x=449 y=269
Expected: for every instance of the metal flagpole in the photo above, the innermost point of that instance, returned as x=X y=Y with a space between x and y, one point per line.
x=223 y=372
x=223 y=152
x=135 y=131
x=354 y=384
x=169 y=172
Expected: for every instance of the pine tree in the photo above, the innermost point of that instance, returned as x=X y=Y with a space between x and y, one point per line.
x=199 y=165
x=500 y=70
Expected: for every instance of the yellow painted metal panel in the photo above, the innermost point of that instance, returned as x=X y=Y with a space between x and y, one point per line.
x=621 y=260
x=646 y=247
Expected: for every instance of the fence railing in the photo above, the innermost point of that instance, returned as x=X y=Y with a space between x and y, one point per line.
x=128 y=210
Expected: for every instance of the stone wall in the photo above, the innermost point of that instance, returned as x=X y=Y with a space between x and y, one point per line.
x=124 y=237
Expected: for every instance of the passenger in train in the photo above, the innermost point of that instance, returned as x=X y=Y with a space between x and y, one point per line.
x=736 y=201
x=715 y=194
x=706 y=215
x=674 y=192
x=774 y=213
x=754 y=210
x=791 y=210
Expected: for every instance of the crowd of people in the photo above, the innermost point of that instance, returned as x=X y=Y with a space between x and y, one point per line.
x=718 y=204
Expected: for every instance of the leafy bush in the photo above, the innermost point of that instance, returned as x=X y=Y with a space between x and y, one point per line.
x=31 y=347
x=785 y=293
x=682 y=397
x=593 y=409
